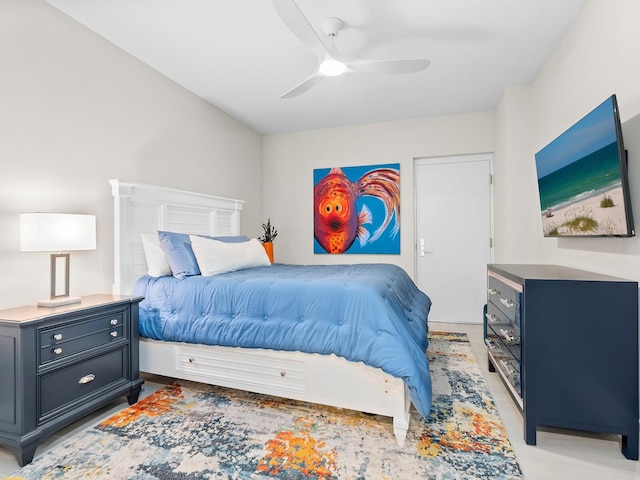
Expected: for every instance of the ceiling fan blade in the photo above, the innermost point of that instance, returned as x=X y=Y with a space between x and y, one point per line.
x=293 y=17
x=388 y=66
x=302 y=86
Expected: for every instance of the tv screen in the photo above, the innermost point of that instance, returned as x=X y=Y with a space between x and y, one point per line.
x=582 y=178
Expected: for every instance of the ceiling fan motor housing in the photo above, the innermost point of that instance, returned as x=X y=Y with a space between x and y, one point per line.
x=332 y=26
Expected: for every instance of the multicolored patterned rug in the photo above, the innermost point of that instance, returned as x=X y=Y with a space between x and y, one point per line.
x=193 y=431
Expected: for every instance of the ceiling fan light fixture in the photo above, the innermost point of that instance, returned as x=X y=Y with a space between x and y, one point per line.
x=331 y=62
x=332 y=68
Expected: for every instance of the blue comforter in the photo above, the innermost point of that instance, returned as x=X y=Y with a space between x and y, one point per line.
x=372 y=313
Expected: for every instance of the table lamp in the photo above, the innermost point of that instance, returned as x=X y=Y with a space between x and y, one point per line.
x=57 y=232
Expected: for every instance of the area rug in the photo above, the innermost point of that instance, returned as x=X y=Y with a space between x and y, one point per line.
x=193 y=431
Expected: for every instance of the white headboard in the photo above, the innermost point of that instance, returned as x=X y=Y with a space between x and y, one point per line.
x=140 y=208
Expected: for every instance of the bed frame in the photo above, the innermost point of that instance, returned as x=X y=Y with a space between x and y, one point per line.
x=322 y=379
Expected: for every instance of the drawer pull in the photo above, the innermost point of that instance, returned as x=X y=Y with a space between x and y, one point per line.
x=87 y=379
x=114 y=321
x=508 y=303
x=192 y=360
x=492 y=291
x=57 y=337
x=57 y=351
x=508 y=337
x=491 y=317
x=506 y=367
x=114 y=334
x=283 y=373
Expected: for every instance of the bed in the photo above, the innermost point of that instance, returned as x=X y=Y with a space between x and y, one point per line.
x=328 y=368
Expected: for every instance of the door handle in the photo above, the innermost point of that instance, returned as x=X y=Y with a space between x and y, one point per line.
x=422 y=249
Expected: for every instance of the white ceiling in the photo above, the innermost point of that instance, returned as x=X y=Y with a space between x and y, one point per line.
x=240 y=56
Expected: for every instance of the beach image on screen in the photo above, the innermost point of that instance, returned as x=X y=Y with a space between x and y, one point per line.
x=580 y=181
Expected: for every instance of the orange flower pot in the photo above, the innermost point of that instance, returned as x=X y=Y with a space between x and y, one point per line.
x=268 y=247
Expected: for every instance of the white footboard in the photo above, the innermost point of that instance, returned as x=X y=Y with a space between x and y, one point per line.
x=323 y=379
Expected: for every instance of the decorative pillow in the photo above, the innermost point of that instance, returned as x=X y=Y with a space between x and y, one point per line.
x=215 y=257
x=177 y=248
x=157 y=265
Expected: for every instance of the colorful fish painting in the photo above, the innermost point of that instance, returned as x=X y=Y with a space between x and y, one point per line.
x=343 y=208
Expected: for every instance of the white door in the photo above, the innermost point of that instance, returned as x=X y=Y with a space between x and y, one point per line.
x=453 y=234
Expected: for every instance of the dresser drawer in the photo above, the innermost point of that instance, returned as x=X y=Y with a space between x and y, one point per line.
x=60 y=341
x=507 y=336
x=498 y=319
x=68 y=386
x=507 y=365
x=495 y=317
x=507 y=298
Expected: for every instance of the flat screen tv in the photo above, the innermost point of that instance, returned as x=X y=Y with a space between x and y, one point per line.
x=582 y=178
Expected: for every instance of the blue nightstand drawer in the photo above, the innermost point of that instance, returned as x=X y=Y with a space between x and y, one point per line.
x=63 y=340
x=67 y=386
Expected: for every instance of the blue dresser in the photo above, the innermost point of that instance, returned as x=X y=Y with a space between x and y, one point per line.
x=565 y=343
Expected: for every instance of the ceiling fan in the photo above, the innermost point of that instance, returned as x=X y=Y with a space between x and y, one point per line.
x=331 y=62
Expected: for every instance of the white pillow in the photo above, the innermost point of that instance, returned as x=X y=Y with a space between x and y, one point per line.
x=215 y=257
x=157 y=264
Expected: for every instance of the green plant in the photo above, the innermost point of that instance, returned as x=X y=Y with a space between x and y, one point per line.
x=607 y=202
x=269 y=232
x=582 y=224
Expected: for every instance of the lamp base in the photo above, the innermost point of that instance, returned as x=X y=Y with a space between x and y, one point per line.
x=58 y=301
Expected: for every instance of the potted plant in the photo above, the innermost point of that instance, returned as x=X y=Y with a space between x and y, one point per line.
x=267 y=238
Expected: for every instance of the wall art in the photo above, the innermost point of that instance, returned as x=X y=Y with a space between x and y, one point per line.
x=357 y=209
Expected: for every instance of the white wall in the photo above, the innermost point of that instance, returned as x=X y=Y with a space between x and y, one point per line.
x=598 y=57
x=515 y=196
x=289 y=161
x=76 y=111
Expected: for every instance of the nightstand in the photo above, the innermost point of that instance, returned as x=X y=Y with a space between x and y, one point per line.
x=60 y=364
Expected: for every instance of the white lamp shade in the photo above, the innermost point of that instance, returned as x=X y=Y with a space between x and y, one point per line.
x=57 y=232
